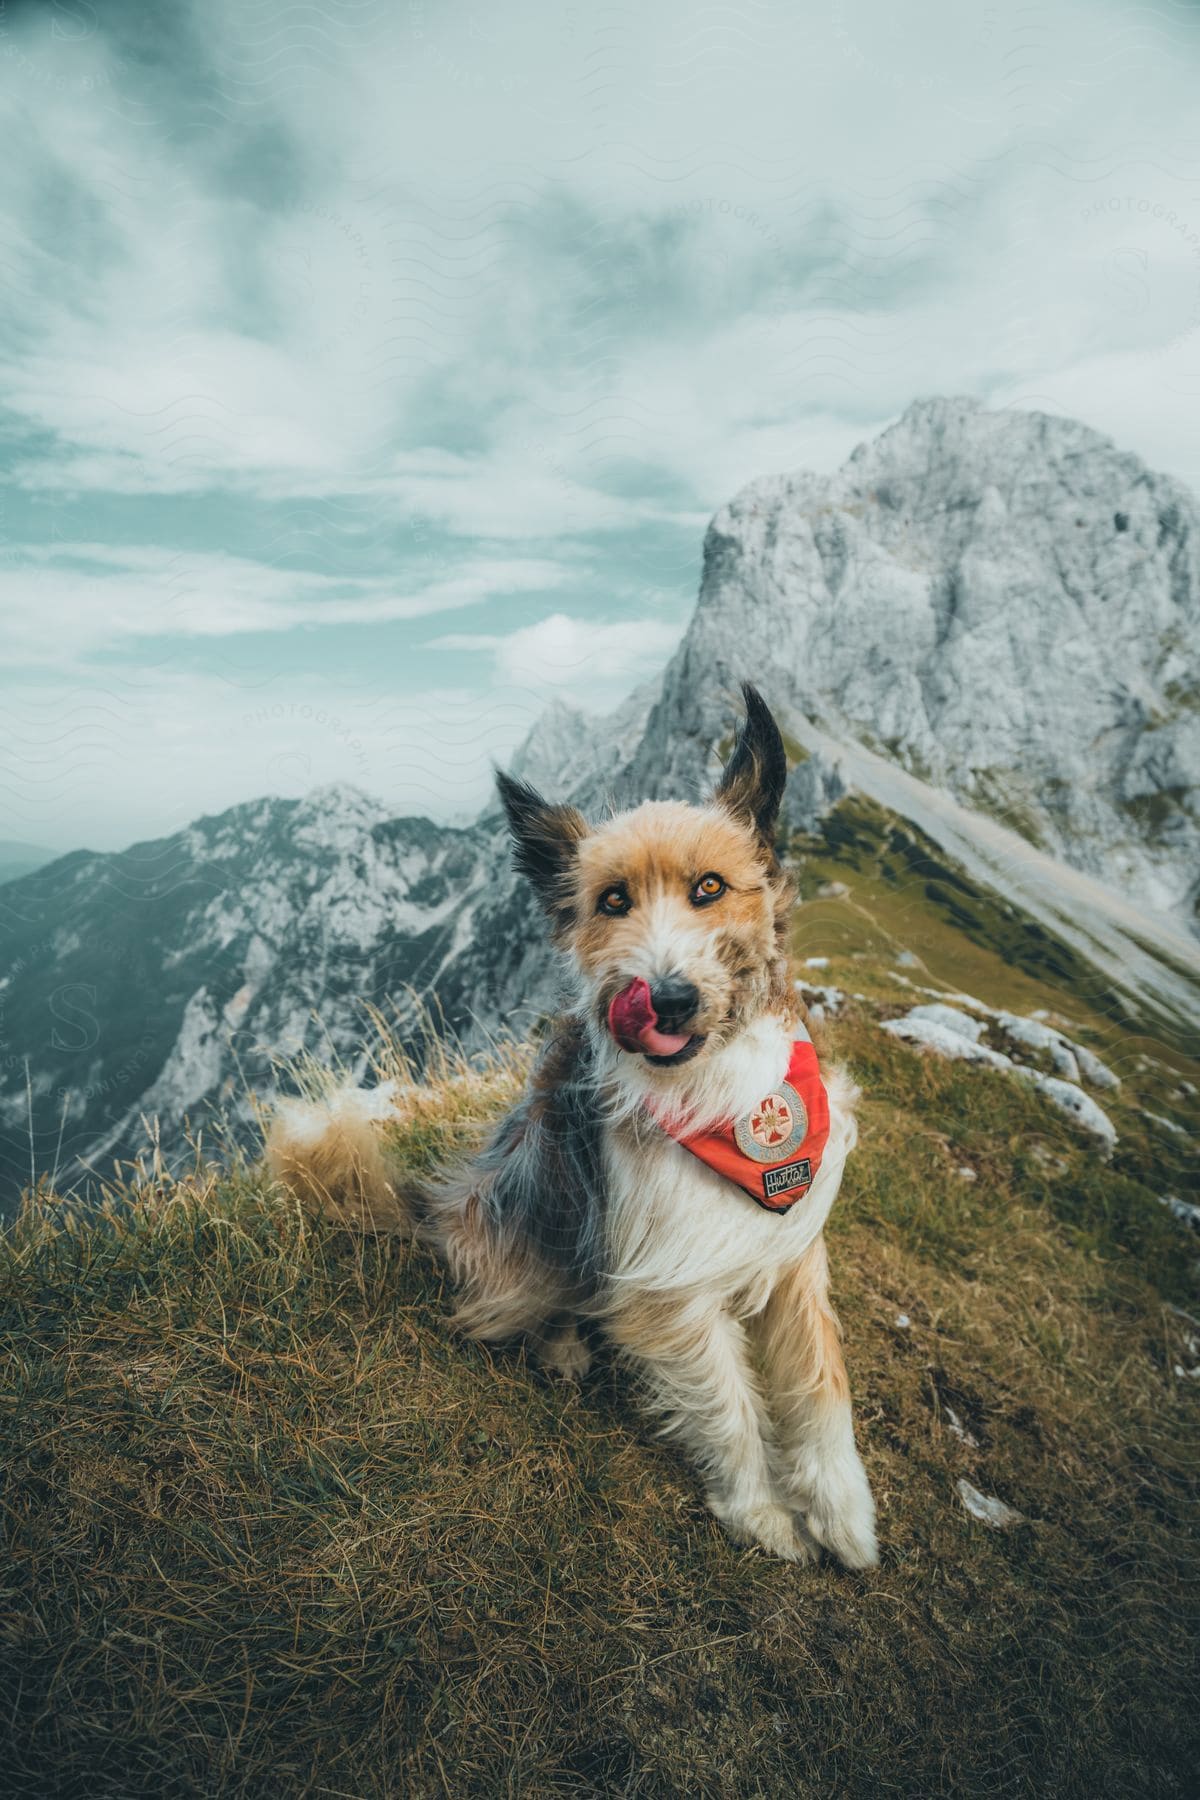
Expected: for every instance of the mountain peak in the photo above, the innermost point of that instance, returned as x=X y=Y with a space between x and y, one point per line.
x=939 y=410
x=338 y=797
x=1005 y=603
x=567 y=748
x=336 y=815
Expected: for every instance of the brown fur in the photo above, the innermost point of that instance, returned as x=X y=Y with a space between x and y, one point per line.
x=513 y=1278
x=798 y=1338
x=339 y=1170
x=658 y=1328
x=504 y=1289
x=658 y=853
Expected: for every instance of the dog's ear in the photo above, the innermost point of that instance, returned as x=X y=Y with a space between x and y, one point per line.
x=545 y=838
x=755 y=775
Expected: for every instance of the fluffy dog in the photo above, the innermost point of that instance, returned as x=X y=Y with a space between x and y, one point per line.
x=668 y=1172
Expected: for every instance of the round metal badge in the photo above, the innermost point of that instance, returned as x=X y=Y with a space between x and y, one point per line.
x=775 y=1128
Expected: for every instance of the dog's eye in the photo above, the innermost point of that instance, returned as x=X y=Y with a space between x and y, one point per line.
x=709 y=887
x=614 y=901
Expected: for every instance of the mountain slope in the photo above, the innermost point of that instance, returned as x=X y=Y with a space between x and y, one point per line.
x=18 y=858
x=1133 y=954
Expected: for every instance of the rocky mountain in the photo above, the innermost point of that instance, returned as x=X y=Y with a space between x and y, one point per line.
x=569 y=751
x=1003 y=603
x=162 y=980
x=982 y=617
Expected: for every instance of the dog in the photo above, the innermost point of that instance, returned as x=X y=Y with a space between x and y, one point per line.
x=666 y=1176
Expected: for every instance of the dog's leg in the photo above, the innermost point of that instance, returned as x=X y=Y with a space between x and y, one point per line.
x=818 y=1466
x=695 y=1359
x=504 y=1290
x=559 y=1348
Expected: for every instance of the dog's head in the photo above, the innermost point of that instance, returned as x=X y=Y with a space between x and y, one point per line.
x=675 y=916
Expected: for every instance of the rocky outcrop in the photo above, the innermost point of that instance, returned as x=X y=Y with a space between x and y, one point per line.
x=1004 y=603
x=949 y=1031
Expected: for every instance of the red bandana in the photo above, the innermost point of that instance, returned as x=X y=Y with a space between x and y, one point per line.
x=774 y=1150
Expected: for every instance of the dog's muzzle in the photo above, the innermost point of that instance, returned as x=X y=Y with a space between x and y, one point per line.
x=649 y=1021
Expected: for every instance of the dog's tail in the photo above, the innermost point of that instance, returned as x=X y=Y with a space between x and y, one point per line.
x=332 y=1152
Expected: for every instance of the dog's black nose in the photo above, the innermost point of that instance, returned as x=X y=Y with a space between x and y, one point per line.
x=675 y=1001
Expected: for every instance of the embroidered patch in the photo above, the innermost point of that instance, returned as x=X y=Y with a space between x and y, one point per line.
x=774 y=1128
x=792 y=1176
x=787 y=1131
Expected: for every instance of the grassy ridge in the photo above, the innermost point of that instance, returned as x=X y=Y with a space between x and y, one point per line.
x=907 y=893
x=269 y=1530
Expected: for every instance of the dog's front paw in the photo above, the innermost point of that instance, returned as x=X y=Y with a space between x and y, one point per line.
x=839 y=1511
x=773 y=1528
x=565 y=1354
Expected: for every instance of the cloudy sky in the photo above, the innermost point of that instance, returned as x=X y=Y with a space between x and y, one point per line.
x=369 y=368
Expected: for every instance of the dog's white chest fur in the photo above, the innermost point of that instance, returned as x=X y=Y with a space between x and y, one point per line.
x=675 y=1224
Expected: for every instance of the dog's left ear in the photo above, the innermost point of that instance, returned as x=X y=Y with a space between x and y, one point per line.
x=755 y=775
x=545 y=838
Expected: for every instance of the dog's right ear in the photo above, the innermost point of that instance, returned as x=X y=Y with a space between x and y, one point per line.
x=545 y=838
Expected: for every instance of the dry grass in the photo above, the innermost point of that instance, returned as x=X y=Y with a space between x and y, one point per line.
x=270 y=1530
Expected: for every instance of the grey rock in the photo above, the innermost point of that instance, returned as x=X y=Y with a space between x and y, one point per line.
x=987 y=1509
x=947 y=1032
x=1003 y=602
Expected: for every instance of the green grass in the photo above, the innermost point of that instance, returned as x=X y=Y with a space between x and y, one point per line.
x=907 y=895
x=269 y=1529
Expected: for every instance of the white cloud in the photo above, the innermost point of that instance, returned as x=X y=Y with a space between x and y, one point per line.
x=67 y=600
x=537 y=276
x=791 y=216
x=579 y=654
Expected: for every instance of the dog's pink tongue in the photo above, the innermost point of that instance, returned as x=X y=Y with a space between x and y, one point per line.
x=633 y=1022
